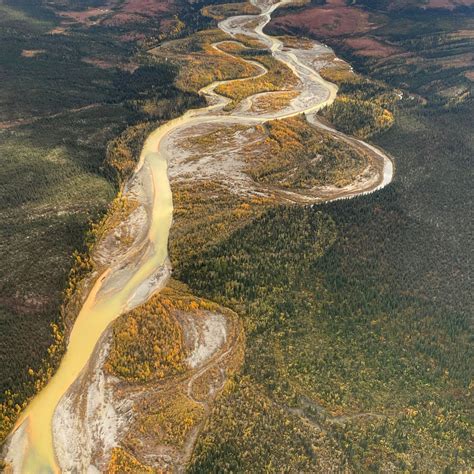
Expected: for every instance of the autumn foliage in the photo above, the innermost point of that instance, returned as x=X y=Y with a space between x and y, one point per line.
x=122 y=462
x=220 y=11
x=299 y=156
x=147 y=343
x=279 y=77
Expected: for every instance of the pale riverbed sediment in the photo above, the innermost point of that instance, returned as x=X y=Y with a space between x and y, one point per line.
x=134 y=277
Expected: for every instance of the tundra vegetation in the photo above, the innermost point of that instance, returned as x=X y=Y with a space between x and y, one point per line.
x=356 y=313
x=220 y=11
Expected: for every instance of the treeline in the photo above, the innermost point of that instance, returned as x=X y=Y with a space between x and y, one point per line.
x=432 y=60
x=429 y=49
x=358 y=117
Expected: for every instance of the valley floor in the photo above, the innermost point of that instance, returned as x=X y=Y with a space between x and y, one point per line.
x=294 y=329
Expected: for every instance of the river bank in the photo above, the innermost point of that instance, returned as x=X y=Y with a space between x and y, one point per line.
x=143 y=270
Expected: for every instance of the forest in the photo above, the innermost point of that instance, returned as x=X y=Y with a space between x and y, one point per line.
x=64 y=146
x=357 y=313
x=358 y=348
x=301 y=157
x=361 y=327
x=148 y=342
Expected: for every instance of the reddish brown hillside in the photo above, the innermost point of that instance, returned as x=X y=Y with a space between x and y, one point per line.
x=333 y=19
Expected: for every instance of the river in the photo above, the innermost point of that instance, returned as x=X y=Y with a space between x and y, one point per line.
x=130 y=282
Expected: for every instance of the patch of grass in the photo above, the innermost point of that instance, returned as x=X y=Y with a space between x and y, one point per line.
x=363 y=107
